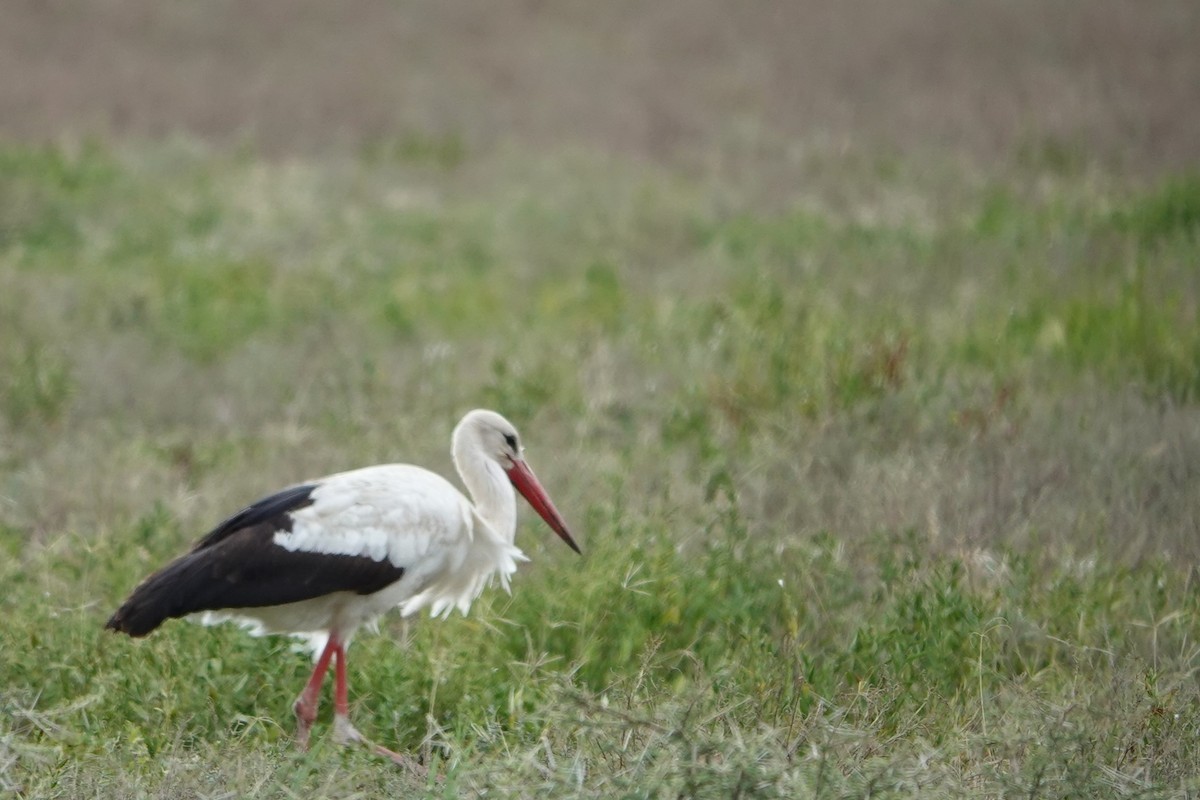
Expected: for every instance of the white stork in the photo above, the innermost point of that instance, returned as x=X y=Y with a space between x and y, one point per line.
x=320 y=559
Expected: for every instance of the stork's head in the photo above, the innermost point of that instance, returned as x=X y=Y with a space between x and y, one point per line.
x=493 y=437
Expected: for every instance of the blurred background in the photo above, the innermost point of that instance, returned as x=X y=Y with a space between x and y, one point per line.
x=695 y=82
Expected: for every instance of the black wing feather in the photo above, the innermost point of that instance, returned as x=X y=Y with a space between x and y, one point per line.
x=239 y=565
x=268 y=509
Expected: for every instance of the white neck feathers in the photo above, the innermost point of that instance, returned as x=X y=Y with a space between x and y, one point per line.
x=490 y=490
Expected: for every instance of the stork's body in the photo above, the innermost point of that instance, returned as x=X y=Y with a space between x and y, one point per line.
x=322 y=558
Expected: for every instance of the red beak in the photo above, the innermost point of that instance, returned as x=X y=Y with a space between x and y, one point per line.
x=527 y=484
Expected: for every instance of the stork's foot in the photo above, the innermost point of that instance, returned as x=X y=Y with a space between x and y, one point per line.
x=403 y=760
x=345 y=733
x=306 y=715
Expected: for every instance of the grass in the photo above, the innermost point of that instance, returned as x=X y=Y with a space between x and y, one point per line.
x=887 y=492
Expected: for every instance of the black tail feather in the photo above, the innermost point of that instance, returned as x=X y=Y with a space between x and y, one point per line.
x=194 y=581
x=170 y=592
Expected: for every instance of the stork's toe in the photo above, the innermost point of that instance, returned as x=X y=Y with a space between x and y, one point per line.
x=344 y=732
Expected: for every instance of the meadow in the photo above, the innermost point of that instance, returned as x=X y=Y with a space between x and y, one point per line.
x=889 y=490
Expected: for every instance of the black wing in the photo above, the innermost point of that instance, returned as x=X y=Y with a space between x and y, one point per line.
x=274 y=509
x=239 y=565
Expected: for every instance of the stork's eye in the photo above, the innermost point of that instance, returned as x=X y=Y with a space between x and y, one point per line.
x=511 y=441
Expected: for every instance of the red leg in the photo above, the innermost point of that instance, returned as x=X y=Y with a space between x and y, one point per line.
x=306 y=703
x=341 y=694
x=343 y=731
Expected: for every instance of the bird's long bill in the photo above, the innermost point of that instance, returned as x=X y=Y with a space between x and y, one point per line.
x=527 y=484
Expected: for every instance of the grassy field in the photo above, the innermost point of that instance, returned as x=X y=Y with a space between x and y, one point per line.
x=888 y=491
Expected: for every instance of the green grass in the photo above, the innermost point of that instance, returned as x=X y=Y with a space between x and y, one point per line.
x=888 y=493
